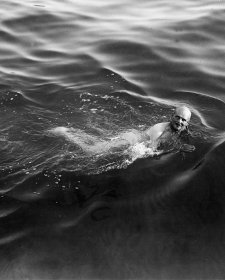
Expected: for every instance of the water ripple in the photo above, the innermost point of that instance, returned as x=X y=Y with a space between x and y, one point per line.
x=77 y=78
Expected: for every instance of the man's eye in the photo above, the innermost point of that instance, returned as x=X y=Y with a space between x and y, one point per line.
x=178 y=118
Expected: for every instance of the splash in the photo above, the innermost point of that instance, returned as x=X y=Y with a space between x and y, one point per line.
x=96 y=144
x=110 y=152
x=143 y=150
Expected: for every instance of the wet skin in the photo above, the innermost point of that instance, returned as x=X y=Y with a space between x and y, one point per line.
x=165 y=134
x=180 y=119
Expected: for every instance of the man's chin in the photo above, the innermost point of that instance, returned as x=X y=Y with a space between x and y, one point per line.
x=177 y=128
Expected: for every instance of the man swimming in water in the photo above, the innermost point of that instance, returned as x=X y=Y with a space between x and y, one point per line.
x=165 y=136
x=162 y=133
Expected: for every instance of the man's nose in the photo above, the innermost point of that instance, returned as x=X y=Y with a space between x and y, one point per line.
x=180 y=121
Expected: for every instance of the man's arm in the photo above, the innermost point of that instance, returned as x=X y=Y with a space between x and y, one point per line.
x=186 y=146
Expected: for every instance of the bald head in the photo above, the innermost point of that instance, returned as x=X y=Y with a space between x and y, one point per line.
x=180 y=119
x=184 y=112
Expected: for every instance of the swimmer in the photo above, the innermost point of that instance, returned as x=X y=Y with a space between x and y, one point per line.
x=165 y=136
x=163 y=132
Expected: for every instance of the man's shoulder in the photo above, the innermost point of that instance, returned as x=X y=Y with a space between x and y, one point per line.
x=161 y=125
x=156 y=130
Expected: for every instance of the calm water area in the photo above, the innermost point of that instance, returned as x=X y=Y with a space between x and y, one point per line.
x=80 y=196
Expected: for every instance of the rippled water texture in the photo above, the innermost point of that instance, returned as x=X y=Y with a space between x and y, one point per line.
x=82 y=196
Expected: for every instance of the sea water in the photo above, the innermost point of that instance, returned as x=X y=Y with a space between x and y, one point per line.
x=83 y=196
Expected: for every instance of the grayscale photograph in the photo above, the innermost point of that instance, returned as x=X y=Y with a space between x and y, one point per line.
x=112 y=140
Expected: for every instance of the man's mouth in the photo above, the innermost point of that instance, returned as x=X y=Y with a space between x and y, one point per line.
x=178 y=125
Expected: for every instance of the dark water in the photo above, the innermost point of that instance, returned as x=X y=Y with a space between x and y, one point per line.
x=81 y=197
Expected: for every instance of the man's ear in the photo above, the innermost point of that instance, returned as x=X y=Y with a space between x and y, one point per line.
x=187 y=128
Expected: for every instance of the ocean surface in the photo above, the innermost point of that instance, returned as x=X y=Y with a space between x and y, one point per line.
x=81 y=195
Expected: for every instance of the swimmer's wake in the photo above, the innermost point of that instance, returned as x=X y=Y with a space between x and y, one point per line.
x=126 y=145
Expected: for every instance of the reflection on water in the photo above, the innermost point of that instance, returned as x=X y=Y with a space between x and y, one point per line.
x=82 y=195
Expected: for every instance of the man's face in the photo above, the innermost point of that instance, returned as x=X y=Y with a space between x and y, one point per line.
x=180 y=119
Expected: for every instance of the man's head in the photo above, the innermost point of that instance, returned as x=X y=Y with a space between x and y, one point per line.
x=180 y=119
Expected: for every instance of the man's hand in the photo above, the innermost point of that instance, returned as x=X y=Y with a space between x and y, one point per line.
x=187 y=148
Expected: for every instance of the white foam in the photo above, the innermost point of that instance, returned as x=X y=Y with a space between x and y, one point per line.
x=142 y=150
x=126 y=144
